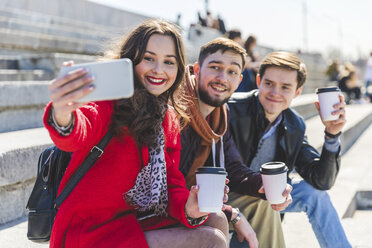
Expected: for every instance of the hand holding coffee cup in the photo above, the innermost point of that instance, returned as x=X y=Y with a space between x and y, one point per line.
x=274 y=180
x=331 y=107
x=328 y=97
x=211 y=182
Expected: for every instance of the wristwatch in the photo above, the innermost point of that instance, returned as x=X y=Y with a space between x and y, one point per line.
x=237 y=217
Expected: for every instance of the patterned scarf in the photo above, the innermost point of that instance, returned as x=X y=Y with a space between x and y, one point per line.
x=150 y=194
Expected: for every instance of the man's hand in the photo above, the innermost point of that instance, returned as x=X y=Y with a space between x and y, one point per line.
x=286 y=194
x=334 y=127
x=245 y=231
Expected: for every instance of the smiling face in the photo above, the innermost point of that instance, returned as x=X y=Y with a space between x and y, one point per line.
x=157 y=71
x=277 y=89
x=218 y=77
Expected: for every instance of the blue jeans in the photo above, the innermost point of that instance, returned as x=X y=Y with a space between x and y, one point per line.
x=234 y=242
x=321 y=213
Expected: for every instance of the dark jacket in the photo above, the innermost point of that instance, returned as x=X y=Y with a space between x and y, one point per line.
x=242 y=179
x=248 y=123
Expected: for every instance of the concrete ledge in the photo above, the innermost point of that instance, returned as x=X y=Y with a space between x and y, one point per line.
x=14 y=39
x=358 y=118
x=54 y=29
x=25 y=75
x=80 y=12
x=19 y=152
x=23 y=93
x=304 y=105
x=14 y=200
x=22 y=104
x=13 y=119
x=52 y=61
x=8 y=62
x=82 y=15
x=13 y=234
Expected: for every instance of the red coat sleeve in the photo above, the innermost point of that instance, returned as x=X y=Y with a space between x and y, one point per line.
x=91 y=123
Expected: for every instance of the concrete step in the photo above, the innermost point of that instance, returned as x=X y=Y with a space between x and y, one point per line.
x=14 y=235
x=44 y=61
x=9 y=62
x=304 y=105
x=358 y=116
x=55 y=29
x=36 y=17
x=22 y=104
x=81 y=12
x=19 y=152
x=32 y=41
x=354 y=175
x=25 y=75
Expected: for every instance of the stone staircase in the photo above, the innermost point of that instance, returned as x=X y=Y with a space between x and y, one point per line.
x=35 y=31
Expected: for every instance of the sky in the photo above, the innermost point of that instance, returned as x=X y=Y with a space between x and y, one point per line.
x=345 y=25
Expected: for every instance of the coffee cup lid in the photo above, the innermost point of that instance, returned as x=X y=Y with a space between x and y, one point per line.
x=211 y=170
x=272 y=168
x=327 y=89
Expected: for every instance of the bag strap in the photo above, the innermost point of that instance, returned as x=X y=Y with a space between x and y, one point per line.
x=89 y=161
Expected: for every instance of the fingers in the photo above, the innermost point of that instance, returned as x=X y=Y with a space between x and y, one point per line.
x=194 y=189
x=261 y=190
x=227 y=181
x=71 y=87
x=342 y=97
x=317 y=106
x=227 y=189
x=191 y=207
x=340 y=105
x=73 y=75
x=282 y=206
x=225 y=198
x=288 y=199
x=240 y=237
x=68 y=63
x=287 y=190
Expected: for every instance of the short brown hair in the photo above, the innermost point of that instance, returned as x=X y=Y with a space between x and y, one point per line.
x=224 y=45
x=287 y=61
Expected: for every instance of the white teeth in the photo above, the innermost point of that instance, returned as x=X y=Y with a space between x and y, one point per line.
x=216 y=87
x=155 y=80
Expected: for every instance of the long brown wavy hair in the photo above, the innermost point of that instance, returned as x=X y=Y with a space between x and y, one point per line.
x=142 y=113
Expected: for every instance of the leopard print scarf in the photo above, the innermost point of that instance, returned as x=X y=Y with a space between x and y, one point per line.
x=150 y=194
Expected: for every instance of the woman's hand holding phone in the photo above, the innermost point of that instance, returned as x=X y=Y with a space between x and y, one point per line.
x=64 y=91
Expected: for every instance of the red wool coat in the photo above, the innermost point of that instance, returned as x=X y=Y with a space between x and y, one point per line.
x=95 y=213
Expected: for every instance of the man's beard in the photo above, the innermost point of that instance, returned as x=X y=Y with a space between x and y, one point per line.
x=207 y=99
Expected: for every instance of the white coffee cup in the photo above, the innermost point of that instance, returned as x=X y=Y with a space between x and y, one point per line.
x=274 y=179
x=328 y=97
x=211 y=182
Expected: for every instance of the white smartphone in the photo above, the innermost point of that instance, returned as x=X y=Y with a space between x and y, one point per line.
x=112 y=79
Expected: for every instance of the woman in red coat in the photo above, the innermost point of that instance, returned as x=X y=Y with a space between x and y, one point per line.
x=135 y=185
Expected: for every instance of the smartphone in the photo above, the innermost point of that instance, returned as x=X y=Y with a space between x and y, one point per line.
x=112 y=79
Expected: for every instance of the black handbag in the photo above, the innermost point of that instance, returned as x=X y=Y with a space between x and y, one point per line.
x=43 y=202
